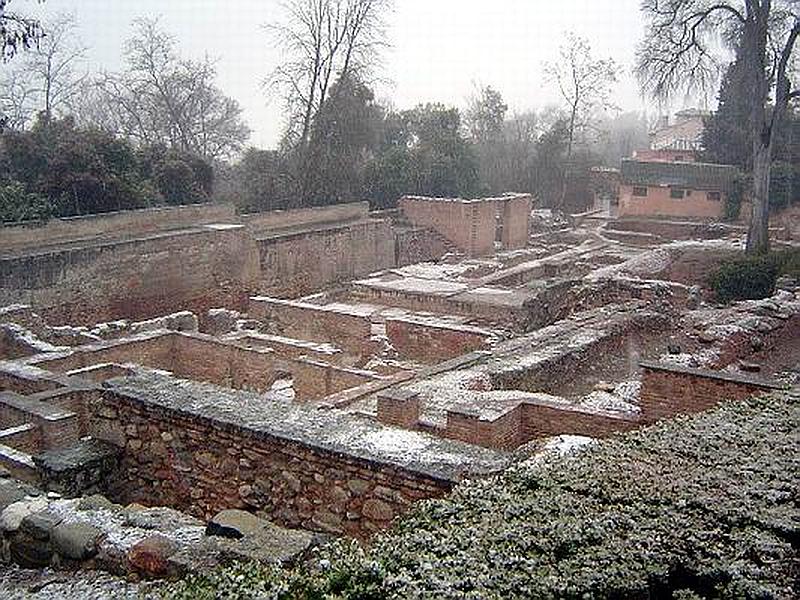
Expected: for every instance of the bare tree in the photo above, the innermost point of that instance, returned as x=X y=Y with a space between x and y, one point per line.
x=682 y=50
x=17 y=32
x=47 y=79
x=164 y=99
x=321 y=42
x=585 y=86
x=54 y=64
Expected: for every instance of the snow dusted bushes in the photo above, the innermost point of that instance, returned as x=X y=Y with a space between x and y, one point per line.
x=701 y=506
x=753 y=277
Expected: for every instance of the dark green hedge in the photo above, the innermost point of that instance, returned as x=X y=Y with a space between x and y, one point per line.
x=700 y=507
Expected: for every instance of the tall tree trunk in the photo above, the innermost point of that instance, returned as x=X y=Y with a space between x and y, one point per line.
x=758 y=234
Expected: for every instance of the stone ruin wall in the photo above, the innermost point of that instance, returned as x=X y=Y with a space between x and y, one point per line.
x=300 y=263
x=137 y=278
x=115 y=225
x=201 y=467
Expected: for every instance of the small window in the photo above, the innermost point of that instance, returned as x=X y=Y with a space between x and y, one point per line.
x=715 y=196
x=677 y=193
x=640 y=191
x=688 y=193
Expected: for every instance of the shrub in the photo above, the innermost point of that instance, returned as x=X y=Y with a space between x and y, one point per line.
x=749 y=278
x=701 y=506
x=16 y=204
x=753 y=277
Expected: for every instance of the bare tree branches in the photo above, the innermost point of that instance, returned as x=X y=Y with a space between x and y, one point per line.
x=164 y=99
x=321 y=41
x=17 y=32
x=47 y=79
x=681 y=52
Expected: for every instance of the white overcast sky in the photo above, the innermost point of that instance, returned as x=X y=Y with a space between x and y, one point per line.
x=440 y=49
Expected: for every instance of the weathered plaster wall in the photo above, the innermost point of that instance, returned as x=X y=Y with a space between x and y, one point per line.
x=116 y=225
x=658 y=203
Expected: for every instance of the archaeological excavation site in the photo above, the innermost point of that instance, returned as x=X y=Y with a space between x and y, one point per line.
x=185 y=387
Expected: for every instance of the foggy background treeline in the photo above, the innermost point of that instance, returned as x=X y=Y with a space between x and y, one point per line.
x=160 y=131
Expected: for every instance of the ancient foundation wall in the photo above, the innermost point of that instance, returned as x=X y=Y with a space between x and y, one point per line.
x=349 y=332
x=433 y=343
x=418 y=245
x=115 y=225
x=294 y=264
x=668 y=391
x=470 y=225
x=139 y=278
x=200 y=466
x=424 y=302
x=304 y=217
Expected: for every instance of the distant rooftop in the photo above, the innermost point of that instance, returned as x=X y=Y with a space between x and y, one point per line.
x=692 y=175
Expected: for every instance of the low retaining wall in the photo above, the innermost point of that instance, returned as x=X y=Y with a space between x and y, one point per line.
x=668 y=391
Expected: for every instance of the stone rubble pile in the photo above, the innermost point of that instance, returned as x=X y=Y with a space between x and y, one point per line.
x=39 y=530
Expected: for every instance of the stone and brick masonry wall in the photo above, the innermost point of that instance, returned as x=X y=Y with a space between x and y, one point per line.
x=283 y=219
x=200 y=466
x=421 y=244
x=668 y=391
x=115 y=225
x=138 y=278
x=298 y=263
x=433 y=343
x=349 y=332
x=470 y=225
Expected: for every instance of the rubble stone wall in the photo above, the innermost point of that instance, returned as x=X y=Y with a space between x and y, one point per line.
x=417 y=245
x=201 y=466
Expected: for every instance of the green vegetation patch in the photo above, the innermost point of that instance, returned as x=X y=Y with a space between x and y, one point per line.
x=698 y=507
x=753 y=277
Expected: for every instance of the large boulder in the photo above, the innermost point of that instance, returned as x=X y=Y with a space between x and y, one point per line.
x=76 y=541
x=150 y=557
x=234 y=524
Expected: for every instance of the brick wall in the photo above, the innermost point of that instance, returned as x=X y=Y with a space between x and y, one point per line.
x=294 y=264
x=399 y=408
x=470 y=225
x=433 y=343
x=199 y=466
x=668 y=391
x=516 y=222
x=531 y=419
